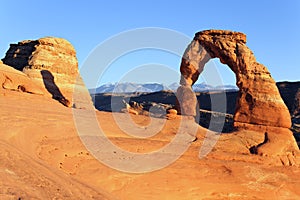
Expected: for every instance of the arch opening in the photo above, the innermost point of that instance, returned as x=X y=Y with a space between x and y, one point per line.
x=208 y=88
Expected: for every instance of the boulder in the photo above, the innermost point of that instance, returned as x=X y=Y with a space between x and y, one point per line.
x=171 y=114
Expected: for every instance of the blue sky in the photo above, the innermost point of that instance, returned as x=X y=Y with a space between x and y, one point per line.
x=272 y=29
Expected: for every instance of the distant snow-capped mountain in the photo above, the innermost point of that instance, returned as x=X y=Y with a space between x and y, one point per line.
x=227 y=87
x=154 y=87
x=203 y=87
x=173 y=86
x=129 y=88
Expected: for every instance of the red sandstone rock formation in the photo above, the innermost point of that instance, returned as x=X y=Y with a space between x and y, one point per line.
x=53 y=64
x=259 y=105
x=259 y=101
x=12 y=79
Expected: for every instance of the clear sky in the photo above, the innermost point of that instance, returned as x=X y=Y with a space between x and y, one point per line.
x=272 y=28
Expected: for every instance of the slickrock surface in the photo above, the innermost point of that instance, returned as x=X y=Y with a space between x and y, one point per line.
x=13 y=79
x=42 y=157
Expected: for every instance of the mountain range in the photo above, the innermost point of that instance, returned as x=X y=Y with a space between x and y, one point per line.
x=129 y=87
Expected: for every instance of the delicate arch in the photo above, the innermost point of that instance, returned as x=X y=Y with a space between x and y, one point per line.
x=259 y=101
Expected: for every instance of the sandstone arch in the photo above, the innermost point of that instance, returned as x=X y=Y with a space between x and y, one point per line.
x=259 y=101
x=259 y=108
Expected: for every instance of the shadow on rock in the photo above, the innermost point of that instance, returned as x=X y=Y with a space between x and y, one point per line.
x=52 y=88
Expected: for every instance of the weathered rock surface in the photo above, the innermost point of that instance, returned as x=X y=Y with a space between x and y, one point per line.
x=44 y=159
x=186 y=101
x=290 y=93
x=53 y=64
x=259 y=104
x=171 y=114
x=13 y=79
x=259 y=101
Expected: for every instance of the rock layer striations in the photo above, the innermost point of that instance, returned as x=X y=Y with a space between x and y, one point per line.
x=53 y=64
x=259 y=105
x=259 y=101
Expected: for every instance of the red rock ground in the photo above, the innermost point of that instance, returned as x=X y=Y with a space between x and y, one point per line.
x=42 y=157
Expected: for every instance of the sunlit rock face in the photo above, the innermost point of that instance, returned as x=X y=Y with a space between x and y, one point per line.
x=259 y=101
x=52 y=62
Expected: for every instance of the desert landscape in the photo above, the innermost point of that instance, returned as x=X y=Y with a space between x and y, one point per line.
x=45 y=104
